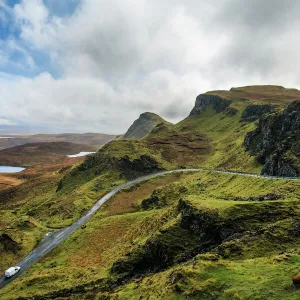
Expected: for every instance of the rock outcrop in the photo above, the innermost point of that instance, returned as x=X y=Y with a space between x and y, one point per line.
x=197 y=231
x=143 y=126
x=276 y=142
x=9 y=245
x=203 y=101
x=154 y=201
x=254 y=112
x=145 y=164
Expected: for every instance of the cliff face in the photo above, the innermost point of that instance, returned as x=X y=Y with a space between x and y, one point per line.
x=254 y=112
x=143 y=126
x=276 y=142
x=203 y=101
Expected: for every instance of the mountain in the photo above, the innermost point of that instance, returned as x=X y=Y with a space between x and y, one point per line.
x=40 y=153
x=263 y=120
x=96 y=140
x=214 y=135
x=201 y=235
x=143 y=126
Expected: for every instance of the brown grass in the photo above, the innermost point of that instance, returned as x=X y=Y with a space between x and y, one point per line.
x=40 y=153
x=266 y=94
x=127 y=202
x=7 y=181
x=90 y=139
x=96 y=242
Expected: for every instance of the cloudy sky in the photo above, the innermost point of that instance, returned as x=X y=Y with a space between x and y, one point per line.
x=95 y=65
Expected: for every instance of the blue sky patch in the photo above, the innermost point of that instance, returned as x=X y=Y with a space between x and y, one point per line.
x=62 y=8
x=23 y=59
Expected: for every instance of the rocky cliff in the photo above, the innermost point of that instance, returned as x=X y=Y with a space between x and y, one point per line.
x=276 y=142
x=143 y=126
x=203 y=101
x=254 y=112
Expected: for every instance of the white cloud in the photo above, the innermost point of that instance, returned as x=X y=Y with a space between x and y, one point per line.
x=6 y=122
x=121 y=58
x=92 y=104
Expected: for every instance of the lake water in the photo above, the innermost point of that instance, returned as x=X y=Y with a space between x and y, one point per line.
x=7 y=169
x=81 y=154
x=7 y=137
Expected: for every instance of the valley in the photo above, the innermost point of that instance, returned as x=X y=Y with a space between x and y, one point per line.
x=218 y=231
x=91 y=139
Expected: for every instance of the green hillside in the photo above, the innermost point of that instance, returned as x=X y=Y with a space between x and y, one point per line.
x=205 y=231
x=201 y=235
x=143 y=126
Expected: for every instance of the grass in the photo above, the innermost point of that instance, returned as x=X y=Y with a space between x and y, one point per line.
x=223 y=279
x=247 y=267
x=262 y=214
x=7 y=181
x=226 y=135
x=260 y=94
x=25 y=231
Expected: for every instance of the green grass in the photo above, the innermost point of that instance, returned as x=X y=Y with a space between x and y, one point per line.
x=248 y=267
x=222 y=279
x=226 y=135
x=257 y=263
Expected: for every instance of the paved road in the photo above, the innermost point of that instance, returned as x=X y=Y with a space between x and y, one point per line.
x=55 y=238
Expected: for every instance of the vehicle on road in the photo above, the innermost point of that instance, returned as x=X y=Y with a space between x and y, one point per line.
x=12 y=271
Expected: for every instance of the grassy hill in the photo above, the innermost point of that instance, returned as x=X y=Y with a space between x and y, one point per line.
x=208 y=235
x=183 y=236
x=96 y=140
x=143 y=126
x=40 y=153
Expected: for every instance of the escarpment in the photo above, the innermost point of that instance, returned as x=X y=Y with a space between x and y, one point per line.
x=203 y=101
x=254 y=112
x=197 y=231
x=276 y=142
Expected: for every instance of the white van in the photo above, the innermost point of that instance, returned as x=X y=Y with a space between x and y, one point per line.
x=12 y=271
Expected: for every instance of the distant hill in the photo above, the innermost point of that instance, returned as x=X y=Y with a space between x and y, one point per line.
x=143 y=126
x=97 y=140
x=39 y=153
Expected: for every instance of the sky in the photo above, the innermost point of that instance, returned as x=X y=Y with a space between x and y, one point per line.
x=96 y=65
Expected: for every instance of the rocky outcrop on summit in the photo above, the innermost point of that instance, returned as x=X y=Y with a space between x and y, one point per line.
x=203 y=101
x=254 y=112
x=143 y=126
x=276 y=142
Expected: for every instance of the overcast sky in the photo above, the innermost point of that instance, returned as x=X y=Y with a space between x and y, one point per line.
x=95 y=65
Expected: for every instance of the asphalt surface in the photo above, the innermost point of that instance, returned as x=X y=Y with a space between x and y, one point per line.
x=53 y=239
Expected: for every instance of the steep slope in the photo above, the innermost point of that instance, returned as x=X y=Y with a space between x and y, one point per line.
x=39 y=153
x=143 y=126
x=276 y=142
x=228 y=117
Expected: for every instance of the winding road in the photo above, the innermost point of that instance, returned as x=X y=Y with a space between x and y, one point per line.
x=55 y=238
